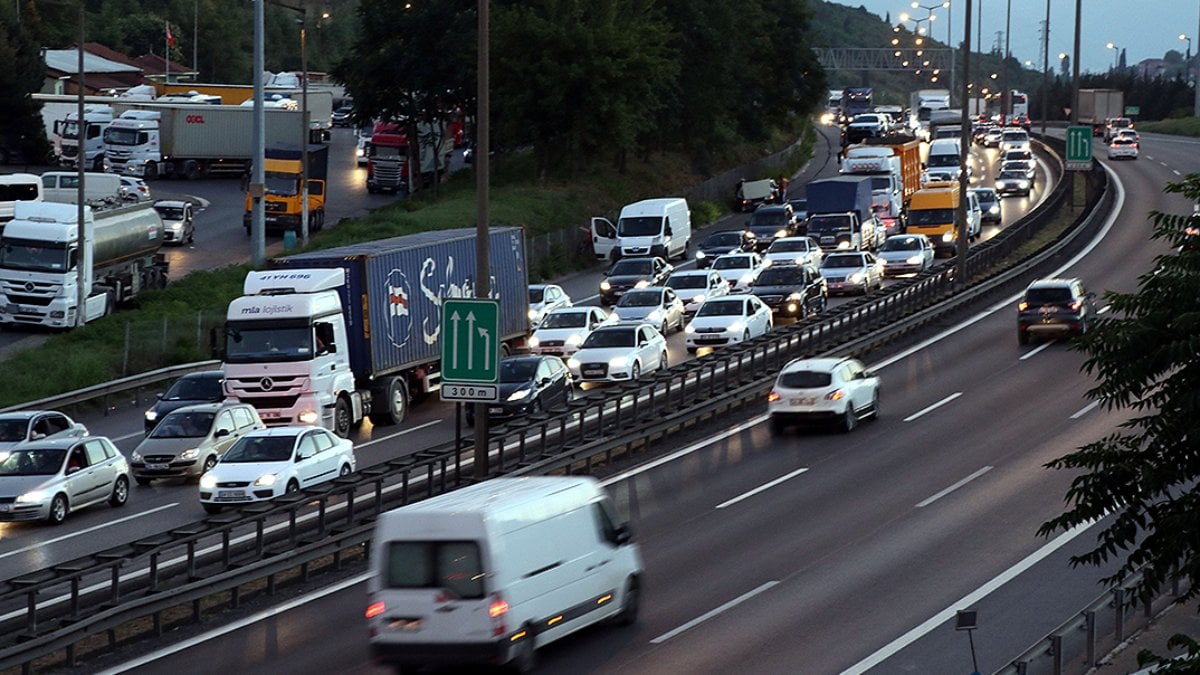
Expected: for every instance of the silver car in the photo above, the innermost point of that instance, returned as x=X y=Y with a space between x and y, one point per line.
x=906 y=254
x=188 y=441
x=852 y=272
x=47 y=479
x=23 y=426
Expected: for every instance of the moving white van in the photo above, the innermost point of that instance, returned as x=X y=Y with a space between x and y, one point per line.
x=944 y=156
x=492 y=572
x=16 y=187
x=652 y=227
x=63 y=187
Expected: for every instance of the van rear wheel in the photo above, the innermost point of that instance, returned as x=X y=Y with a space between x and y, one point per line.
x=630 y=604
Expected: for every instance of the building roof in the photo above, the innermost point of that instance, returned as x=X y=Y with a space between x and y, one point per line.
x=153 y=64
x=67 y=61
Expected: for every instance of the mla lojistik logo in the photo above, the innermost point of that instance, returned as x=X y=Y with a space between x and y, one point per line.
x=399 y=316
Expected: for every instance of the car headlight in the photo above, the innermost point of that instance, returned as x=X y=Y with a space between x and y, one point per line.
x=575 y=339
x=913 y=260
x=698 y=298
x=360 y=152
x=994 y=209
x=175 y=227
x=534 y=341
x=700 y=255
x=856 y=278
x=781 y=233
x=689 y=329
x=208 y=481
x=654 y=316
x=151 y=415
x=532 y=314
x=768 y=262
x=800 y=260
x=135 y=456
x=618 y=362
x=792 y=307
x=309 y=417
x=642 y=284
x=1022 y=184
x=266 y=480
x=604 y=285
x=843 y=244
x=745 y=278
x=32 y=497
x=573 y=363
x=736 y=327
x=191 y=453
x=947 y=237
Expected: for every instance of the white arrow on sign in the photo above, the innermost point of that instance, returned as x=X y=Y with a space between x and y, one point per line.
x=487 y=349
x=470 y=330
x=454 y=339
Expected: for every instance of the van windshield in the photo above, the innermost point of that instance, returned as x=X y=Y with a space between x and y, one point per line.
x=921 y=217
x=946 y=159
x=453 y=566
x=644 y=226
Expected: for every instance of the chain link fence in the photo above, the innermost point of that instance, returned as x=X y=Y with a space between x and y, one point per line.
x=156 y=342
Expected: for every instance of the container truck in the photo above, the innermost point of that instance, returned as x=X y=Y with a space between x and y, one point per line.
x=40 y=249
x=388 y=156
x=840 y=215
x=152 y=140
x=1097 y=105
x=856 y=101
x=921 y=103
x=320 y=99
x=330 y=337
x=283 y=197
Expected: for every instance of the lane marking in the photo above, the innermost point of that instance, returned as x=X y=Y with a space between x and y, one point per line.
x=1104 y=309
x=952 y=488
x=1149 y=157
x=1176 y=172
x=933 y=407
x=762 y=488
x=1085 y=410
x=711 y=613
x=89 y=529
x=1035 y=350
x=1163 y=163
x=893 y=647
x=419 y=427
x=126 y=437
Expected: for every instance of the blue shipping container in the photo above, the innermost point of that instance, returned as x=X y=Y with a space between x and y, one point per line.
x=392 y=300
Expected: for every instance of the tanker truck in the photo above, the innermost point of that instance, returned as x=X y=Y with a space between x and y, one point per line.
x=40 y=251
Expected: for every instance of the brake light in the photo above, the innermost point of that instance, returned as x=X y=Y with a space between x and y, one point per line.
x=835 y=395
x=498 y=608
x=375 y=609
x=1075 y=306
x=773 y=396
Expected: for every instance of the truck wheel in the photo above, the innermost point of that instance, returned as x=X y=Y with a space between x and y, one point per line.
x=191 y=169
x=341 y=418
x=98 y=164
x=151 y=171
x=389 y=402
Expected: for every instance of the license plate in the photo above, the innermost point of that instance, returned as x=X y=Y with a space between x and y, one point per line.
x=593 y=372
x=496 y=411
x=157 y=467
x=710 y=341
x=804 y=400
x=230 y=495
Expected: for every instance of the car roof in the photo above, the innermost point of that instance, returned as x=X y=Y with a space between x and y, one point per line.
x=533 y=286
x=690 y=273
x=620 y=326
x=292 y=430
x=206 y=374
x=517 y=358
x=55 y=443
x=1053 y=282
x=23 y=414
x=578 y=309
x=820 y=364
x=173 y=203
x=208 y=407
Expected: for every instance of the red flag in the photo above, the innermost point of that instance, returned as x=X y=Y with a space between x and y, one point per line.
x=170 y=38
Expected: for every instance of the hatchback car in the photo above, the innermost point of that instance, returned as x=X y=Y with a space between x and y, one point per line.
x=1054 y=307
x=852 y=272
x=619 y=354
x=718 y=244
x=188 y=441
x=658 y=306
x=134 y=189
x=991 y=139
x=342 y=116
x=203 y=387
x=794 y=251
x=793 y=291
x=906 y=254
x=739 y=269
x=564 y=329
x=1121 y=147
x=1014 y=139
x=179 y=228
x=629 y=273
x=825 y=390
x=529 y=384
x=47 y=479
x=267 y=463
x=545 y=298
x=695 y=287
x=989 y=205
x=728 y=321
x=22 y=426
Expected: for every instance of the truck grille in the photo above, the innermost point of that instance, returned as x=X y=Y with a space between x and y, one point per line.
x=69 y=150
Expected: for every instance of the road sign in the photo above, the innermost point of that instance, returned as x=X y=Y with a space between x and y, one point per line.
x=1133 y=110
x=470 y=349
x=1079 y=148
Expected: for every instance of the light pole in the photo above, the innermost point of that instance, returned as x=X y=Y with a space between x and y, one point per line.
x=1005 y=112
x=258 y=229
x=1196 y=87
x=1186 y=59
x=1116 y=55
x=81 y=211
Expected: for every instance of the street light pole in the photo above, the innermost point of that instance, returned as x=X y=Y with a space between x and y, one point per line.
x=1046 y=69
x=1196 y=82
x=304 y=137
x=1005 y=101
x=81 y=211
x=258 y=229
x=1116 y=55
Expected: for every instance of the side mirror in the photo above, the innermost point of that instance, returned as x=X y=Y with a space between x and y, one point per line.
x=624 y=534
x=302 y=455
x=221 y=433
x=159 y=395
x=36 y=436
x=544 y=381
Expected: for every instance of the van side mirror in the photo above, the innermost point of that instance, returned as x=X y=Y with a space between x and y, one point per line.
x=624 y=534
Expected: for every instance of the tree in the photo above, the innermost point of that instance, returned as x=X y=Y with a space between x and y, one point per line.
x=21 y=74
x=1145 y=354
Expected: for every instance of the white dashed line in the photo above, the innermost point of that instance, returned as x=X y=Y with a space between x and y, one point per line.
x=710 y=614
x=954 y=487
x=1085 y=410
x=1035 y=350
x=762 y=488
x=933 y=407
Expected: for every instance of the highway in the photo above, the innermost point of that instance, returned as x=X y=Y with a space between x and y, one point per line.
x=828 y=553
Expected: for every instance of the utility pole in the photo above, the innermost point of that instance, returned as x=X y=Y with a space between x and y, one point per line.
x=964 y=151
x=482 y=161
x=258 y=223
x=1045 y=68
x=81 y=212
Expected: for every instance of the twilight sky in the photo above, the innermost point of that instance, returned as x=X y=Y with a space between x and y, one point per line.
x=1145 y=29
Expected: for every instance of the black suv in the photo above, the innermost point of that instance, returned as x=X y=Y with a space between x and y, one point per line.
x=193 y=388
x=1054 y=307
x=766 y=224
x=629 y=273
x=794 y=291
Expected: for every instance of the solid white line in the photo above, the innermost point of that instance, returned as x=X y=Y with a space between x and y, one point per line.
x=64 y=537
x=1085 y=410
x=711 y=613
x=236 y=625
x=399 y=433
x=952 y=488
x=685 y=451
x=761 y=488
x=967 y=600
x=1035 y=350
x=1104 y=309
x=933 y=407
x=126 y=436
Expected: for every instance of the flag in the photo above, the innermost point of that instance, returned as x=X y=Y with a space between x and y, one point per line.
x=170 y=38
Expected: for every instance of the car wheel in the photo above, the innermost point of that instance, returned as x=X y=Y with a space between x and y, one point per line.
x=212 y=509
x=142 y=480
x=663 y=328
x=630 y=604
x=746 y=335
x=292 y=486
x=58 y=510
x=150 y=172
x=1022 y=337
x=120 y=492
x=636 y=371
x=209 y=463
x=535 y=407
x=849 y=418
x=345 y=470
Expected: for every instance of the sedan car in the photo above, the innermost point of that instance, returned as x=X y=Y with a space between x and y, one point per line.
x=727 y=321
x=695 y=287
x=203 y=387
x=767 y=224
x=658 y=306
x=794 y=251
x=906 y=254
x=529 y=384
x=49 y=478
x=739 y=269
x=22 y=426
x=189 y=440
x=1013 y=183
x=794 y=291
x=619 y=354
x=134 y=189
x=852 y=272
x=267 y=463
x=543 y=299
x=989 y=205
x=564 y=329
x=718 y=244
x=629 y=273
x=1054 y=307
x=179 y=228
x=1121 y=147
x=342 y=116
x=824 y=390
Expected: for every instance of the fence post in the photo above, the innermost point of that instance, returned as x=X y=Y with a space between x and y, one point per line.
x=163 y=347
x=125 y=357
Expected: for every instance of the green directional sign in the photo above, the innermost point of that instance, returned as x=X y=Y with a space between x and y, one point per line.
x=1132 y=111
x=470 y=349
x=1079 y=148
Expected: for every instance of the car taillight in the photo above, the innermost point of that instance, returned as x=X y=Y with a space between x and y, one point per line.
x=375 y=609
x=835 y=395
x=773 y=396
x=496 y=610
x=1075 y=306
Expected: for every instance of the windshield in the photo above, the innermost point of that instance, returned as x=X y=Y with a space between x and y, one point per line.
x=641 y=299
x=32 y=462
x=1013 y=167
x=688 y=281
x=733 y=262
x=281 y=183
x=12 y=431
x=386 y=151
x=721 y=308
x=33 y=256
x=643 y=226
x=268 y=343
x=780 y=276
x=259 y=449
x=518 y=370
x=881 y=183
x=902 y=244
x=1015 y=137
x=921 y=217
x=946 y=159
x=842 y=261
x=986 y=195
x=768 y=218
x=1010 y=175
x=828 y=224
x=123 y=136
x=565 y=320
x=723 y=239
x=610 y=338
x=195 y=389
x=632 y=268
x=1015 y=155
x=169 y=212
x=184 y=425
x=790 y=246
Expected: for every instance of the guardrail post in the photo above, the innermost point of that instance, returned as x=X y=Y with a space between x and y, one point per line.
x=378 y=496
x=1056 y=652
x=225 y=553
x=429 y=478
x=582 y=420
x=74 y=597
x=191 y=560
x=1119 y=601
x=404 y=488
x=321 y=504
x=1022 y=667
x=1089 y=618
x=521 y=444
x=350 y=507
x=116 y=585
x=153 y=572
x=31 y=613
x=445 y=465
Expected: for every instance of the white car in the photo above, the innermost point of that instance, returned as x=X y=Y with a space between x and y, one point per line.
x=906 y=254
x=545 y=298
x=694 y=287
x=850 y=272
x=728 y=321
x=1018 y=166
x=619 y=354
x=267 y=463
x=828 y=390
x=564 y=329
x=658 y=306
x=1122 y=147
x=794 y=251
x=740 y=269
x=134 y=189
x=1014 y=139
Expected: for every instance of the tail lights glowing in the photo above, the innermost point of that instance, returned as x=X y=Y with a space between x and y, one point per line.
x=835 y=395
x=498 y=608
x=375 y=609
x=773 y=396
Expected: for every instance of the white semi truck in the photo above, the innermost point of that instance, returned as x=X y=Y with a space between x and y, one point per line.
x=41 y=251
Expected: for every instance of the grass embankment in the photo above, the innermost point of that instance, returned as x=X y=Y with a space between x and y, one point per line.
x=1053 y=229
x=1180 y=126
x=171 y=326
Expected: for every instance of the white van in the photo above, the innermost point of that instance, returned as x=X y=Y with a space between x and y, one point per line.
x=16 y=187
x=652 y=227
x=492 y=572
x=63 y=187
x=944 y=155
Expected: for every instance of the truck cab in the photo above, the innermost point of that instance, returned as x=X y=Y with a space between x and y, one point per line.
x=887 y=187
x=388 y=157
x=284 y=198
x=131 y=144
x=96 y=119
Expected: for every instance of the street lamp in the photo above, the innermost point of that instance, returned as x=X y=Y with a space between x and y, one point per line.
x=1116 y=55
x=1183 y=36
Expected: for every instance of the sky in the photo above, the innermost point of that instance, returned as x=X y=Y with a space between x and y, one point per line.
x=1143 y=28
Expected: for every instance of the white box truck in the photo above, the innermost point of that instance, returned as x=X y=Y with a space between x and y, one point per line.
x=490 y=573
x=652 y=227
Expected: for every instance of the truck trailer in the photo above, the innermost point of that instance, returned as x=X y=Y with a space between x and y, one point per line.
x=1096 y=106
x=40 y=249
x=894 y=165
x=331 y=337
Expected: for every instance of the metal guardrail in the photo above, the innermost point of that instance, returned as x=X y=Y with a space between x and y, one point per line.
x=102 y=392
x=52 y=609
